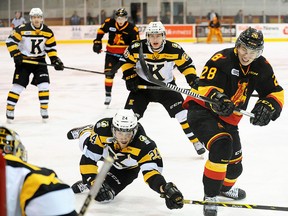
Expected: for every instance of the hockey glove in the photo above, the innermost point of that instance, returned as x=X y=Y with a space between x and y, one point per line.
x=58 y=64
x=18 y=58
x=97 y=46
x=192 y=81
x=173 y=197
x=132 y=82
x=224 y=106
x=264 y=112
x=106 y=193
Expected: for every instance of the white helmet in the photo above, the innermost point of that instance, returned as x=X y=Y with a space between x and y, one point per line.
x=156 y=28
x=125 y=121
x=36 y=12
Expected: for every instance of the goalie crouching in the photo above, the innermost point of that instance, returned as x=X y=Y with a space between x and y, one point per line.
x=123 y=138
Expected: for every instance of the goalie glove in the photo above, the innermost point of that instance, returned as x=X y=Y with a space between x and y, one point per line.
x=105 y=194
x=173 y=197
x=224 y=106
x=264 y=112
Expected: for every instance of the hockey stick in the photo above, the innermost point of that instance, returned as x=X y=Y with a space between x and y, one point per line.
x=113 y=54
x=178 y=89
x=236 y=205
x=71 y=68
x=165 y=89
x=96 y=186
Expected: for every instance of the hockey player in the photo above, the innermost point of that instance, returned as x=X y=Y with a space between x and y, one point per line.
x=230 y=76
x=120 y=34
x=124 y=139
x=161 y=56
x=32 y=190
x=31 y=41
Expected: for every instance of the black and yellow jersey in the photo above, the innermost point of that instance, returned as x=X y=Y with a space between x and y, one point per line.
x=120 y=37
x=224 y=73
x=32 y=190
x=141 y=153
x=32 y=43
x=160 y=64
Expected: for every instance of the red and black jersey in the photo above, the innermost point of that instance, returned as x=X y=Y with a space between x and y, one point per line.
x=224 y=73
x=119 y=37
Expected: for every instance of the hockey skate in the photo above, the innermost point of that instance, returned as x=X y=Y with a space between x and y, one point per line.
x=199 y=148
x=210 y=209
x=107 y=98
x=10 y=115
x=79 y=187
x=44 y=113
x=234 y=193
x=75 y=133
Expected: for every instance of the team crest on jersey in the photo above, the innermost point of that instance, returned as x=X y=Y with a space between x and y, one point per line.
x=175 y=45
x=135 y=45
x=102 y=124
x=144 y=139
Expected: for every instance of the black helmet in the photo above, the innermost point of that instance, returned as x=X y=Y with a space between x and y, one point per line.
x=121 y=12
x=252 y=39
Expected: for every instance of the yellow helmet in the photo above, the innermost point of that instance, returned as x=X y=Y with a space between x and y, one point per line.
x=10 y=143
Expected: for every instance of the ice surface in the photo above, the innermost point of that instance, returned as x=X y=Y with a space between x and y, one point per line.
x=76 y=99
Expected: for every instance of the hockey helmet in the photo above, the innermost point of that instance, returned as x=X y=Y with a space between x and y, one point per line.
x=36 y=12
x=10 y=143
x=252 y=39
x=121 y=12
x=124 y=126
x=155 y=28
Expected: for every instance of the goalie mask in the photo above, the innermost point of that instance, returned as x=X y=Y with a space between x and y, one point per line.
x=10 y=143
x=156 y=36
x=124 y=127
x=251 y=39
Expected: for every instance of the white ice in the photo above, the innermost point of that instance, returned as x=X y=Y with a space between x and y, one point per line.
x=76 y=99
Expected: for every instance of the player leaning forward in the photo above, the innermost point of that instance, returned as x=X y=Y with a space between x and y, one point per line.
x=123 y=138
x=31 y=41
x=230 y=77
